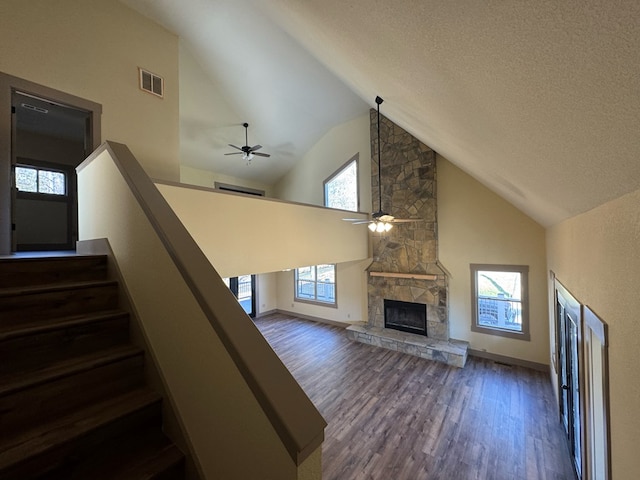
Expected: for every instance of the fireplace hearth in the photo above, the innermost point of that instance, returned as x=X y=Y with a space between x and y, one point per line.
x=408 y=317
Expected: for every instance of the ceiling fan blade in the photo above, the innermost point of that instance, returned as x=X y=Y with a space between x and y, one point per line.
x=256 y=147
x=234 y=153
x=405 y=220
x=356 y=220
x=238 y=148
x=261 y=154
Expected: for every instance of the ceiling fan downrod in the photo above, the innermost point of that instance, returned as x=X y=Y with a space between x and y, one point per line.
x=379 y=100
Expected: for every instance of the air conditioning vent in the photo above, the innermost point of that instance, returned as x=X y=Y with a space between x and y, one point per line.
x=152 y=83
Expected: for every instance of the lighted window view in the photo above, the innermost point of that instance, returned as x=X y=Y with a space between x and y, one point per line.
x=341 y=190
x=499 y=297
x=36 y=180
x=316 y=283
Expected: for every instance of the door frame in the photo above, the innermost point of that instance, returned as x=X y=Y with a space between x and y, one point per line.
x=569 y=303
x=8 y=85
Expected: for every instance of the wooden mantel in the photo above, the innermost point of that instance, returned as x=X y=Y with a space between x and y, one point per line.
x=415 y=276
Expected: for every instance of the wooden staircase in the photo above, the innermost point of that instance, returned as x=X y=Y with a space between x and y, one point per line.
x=73 y=399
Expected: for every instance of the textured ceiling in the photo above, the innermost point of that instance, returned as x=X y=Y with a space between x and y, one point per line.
x=538 y=100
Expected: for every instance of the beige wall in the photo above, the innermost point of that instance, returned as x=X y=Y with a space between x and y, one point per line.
x=241 y=442
x=92 y=49
x=595 y=255
x=244 y=234
x=477 y=226
x=206 y=178
x=351 y=295
x=303 y=183
x=267 y=292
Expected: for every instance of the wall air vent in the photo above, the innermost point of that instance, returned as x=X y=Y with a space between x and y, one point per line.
x=152 y=83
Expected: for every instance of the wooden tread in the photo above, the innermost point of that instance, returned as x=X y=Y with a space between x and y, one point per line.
x=53 y=287
x=17 y=271
x=38 y=327
x=74 y=404
x=13 y=383
x=59 y=435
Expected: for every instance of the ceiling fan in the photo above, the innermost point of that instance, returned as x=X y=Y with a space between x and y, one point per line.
x=381 y=221
x=247 y=152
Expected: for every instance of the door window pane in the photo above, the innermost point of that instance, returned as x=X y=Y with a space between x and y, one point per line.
x=27 y=179
x=39 y=180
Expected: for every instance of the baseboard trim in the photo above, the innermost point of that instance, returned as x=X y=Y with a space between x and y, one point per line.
x=264 y=314
x=541 y=367
x=326 y=321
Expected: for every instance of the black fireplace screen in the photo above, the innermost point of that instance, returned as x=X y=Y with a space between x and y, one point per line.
x=405 y=316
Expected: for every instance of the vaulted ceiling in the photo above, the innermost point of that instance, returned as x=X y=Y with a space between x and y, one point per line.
x=540 y=101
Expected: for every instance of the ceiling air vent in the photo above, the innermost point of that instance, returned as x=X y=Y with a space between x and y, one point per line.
x=152 y=83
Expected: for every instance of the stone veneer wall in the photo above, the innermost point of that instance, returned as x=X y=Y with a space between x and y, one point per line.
x=408 y=179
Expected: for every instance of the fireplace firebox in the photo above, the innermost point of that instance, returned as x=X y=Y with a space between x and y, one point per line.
x=405 y=316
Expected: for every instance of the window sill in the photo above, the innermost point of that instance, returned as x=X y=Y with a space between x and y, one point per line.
x=316 y=302
x=501 y=333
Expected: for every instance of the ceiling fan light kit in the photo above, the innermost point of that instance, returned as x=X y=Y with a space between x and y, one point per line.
x=246 y=151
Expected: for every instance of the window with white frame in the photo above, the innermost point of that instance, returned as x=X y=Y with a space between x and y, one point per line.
x=341 y=188
x=316 y=284
x=500 y=300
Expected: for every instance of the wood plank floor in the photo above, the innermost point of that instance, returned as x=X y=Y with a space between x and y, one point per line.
x=392 y=416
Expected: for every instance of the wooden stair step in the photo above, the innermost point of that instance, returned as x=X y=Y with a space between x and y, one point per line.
x=25 y=329
x=28 y=304
x=146 y=454
x=72 y=366
x=52 y=287
x=45 y=270
x=26 y=347
x=60 y=440
x=23 y=408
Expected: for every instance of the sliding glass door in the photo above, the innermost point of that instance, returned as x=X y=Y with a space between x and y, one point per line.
x=244 y=288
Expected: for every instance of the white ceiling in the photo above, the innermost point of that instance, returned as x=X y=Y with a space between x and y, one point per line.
x=538 y=100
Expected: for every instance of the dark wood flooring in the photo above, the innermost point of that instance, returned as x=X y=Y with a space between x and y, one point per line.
x=392 y=416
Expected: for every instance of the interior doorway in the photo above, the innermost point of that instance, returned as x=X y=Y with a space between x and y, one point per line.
x=50 y=140
x=44 y=135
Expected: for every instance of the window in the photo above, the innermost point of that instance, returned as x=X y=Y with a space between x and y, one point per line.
x=341 y=188
x=40 y=180
x=316 y=283
x=500 y=300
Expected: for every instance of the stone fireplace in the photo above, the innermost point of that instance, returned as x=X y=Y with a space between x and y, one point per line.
x=405 y=265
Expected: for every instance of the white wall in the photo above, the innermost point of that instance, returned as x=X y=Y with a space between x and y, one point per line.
x=477 y=226
x=92 y=49
x=596 y=256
